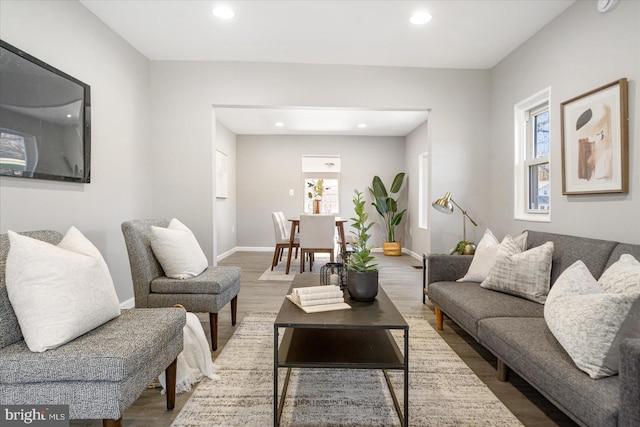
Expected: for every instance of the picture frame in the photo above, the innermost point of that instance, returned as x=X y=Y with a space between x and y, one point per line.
x=595 y=141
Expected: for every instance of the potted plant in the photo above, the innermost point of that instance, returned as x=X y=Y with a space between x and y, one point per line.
x=387 y=207
x=362 y=271
x=316 y=190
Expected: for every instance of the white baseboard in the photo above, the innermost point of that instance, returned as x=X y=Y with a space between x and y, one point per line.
x=130 y=303
x=255 y=249
x=226 y=254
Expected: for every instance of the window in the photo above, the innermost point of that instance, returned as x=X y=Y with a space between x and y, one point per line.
x=532 y=148
x=327 y=169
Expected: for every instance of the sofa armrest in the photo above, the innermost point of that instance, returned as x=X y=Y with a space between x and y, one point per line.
x=447 y=268
x=629 y=383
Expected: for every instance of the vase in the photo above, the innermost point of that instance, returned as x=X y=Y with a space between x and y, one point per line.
x=316 y=205
x=362 y=286
x=392 y=248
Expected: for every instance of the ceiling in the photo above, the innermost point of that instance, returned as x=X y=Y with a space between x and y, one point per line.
x=469 y=34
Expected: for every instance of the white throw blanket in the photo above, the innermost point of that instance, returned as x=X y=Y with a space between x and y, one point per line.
x=194 y=363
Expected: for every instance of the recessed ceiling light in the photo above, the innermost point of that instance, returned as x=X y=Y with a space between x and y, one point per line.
x=278 y=124
x=223 y=12
x=421 y=17
x=362 y=125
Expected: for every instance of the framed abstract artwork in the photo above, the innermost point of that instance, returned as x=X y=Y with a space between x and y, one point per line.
x=595 y=141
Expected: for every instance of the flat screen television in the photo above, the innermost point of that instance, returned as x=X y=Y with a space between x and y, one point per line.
x=45 y=120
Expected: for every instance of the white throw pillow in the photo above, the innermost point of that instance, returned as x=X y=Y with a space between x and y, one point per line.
x=589 y=322
x=525 y=274
x=58 y=292
x=178 y=251
x=485 y=256
x=623 y=276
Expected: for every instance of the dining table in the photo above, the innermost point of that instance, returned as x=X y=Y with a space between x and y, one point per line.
x=295 y=225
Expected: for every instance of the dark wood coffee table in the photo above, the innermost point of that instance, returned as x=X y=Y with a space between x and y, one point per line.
x=357 y=338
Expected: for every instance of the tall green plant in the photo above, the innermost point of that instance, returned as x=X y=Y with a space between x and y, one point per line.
x=361 y=259
x=386 y=205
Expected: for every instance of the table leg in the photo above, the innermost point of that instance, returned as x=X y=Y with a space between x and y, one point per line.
x=342 y=237
x=276 y=419
x=406 y=377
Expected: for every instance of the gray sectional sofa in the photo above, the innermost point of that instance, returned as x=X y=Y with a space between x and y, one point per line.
x=515 y=331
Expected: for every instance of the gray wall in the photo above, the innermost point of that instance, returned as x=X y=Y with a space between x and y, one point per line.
x=181 y=127
x=69 y=37
x=416 y=238
x=577 y=52
x=225 y=209
x=269 y=166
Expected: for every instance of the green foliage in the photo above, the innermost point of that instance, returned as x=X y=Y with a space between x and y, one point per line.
x=361 y=259
x=459 y=249
x=386 y=205
x=316 y=188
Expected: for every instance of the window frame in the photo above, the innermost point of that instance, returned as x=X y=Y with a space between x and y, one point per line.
x=524 y=113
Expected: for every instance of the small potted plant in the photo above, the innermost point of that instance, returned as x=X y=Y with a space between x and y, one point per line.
x=387 y=207
x=362 y=271
x=316 y=190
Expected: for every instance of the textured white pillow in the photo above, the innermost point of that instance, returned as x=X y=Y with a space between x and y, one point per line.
x=589 y=322
x=178 y=251
x=623 y=276
x=58 y=292
x=525 y=274
x=485 y=256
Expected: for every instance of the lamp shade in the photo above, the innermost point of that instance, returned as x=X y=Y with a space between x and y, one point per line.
x=444 y=204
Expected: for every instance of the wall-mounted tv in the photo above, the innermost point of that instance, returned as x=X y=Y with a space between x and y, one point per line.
x=45 y=120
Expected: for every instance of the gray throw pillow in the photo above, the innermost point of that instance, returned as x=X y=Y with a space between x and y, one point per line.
x=525 y=274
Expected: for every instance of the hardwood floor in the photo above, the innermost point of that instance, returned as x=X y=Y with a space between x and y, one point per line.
x=403 y=284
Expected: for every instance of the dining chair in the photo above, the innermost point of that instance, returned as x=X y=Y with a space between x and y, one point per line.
x=317 y=234
x=282 y=235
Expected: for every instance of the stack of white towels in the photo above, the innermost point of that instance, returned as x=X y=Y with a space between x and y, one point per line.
x=318 y=298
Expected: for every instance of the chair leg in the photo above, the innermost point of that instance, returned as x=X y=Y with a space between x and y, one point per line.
x=213 y=320
x=170 y=375
x=274 y=262
x=234 y=310
x=112 y=423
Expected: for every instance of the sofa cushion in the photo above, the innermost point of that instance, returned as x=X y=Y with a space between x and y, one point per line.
x=214 y=280
x=485 y=256
x=623 y=248
x=569 y=249
x=527 y=346
x=467 y=303
x=524 y=274
x=104 y=354
x=58 y=292
x=178 y=251
x=589 y=322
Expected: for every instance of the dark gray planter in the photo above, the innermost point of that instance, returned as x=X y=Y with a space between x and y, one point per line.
x=362 y=286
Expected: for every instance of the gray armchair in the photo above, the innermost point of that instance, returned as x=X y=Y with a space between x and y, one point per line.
x=206 y=293
x=98 y=374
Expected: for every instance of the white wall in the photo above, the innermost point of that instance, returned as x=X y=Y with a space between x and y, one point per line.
x=577 y=52
x=67 y=36
x=225 y=208
x=269 y=166
x=183 y=93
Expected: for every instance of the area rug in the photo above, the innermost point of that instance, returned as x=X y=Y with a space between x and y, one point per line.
x=279 y=271
x=443 y=391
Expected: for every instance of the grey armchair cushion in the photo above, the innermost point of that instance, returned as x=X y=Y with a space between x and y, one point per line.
x=213 y=280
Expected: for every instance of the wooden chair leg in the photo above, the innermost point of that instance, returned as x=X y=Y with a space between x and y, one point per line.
x=213 y=320
x=112 y=423
x=170 y=375
x=274 y=262
x=234 y=310
x=439 y=318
